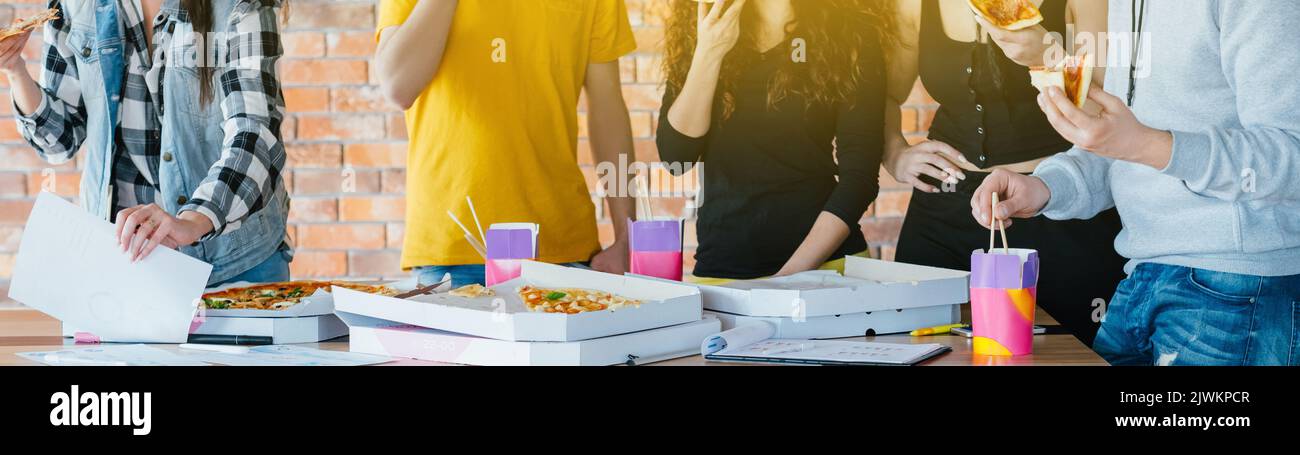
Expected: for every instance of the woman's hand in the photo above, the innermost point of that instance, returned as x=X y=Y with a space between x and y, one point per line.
x=11 y=54
x=142 y=228
x=718 y=31
x=1027 y=47
x=932 y=158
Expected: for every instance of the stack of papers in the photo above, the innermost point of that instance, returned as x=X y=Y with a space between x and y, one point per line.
x=145 y=355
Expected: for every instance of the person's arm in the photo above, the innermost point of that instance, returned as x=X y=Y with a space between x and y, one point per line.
x=51 y=115
x=859 y=139
x=409 y=55
x=1260 y=159
x=610 y=132
x=906 y=162
x=691 y=113
x=248 y=172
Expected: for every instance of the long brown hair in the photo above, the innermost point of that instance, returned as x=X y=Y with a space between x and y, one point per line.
x=835 y=32
x=200 y=15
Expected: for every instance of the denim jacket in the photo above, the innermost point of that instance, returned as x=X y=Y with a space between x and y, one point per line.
x=192 y=133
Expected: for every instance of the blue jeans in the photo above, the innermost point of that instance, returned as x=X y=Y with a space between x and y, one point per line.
x=273 y=270
x=1170 y=315
x=461 y=275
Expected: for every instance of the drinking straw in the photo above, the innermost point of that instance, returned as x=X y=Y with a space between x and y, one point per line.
x=476 y=223
x=473 y=242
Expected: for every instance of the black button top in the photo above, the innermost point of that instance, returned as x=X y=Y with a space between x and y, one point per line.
x=85 y=52
x=182 y=200
x=167 y=157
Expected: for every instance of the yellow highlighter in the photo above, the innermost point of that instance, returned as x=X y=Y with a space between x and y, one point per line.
x=937 y=330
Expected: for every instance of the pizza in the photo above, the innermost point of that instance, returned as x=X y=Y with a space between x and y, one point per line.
x=571 y=300
x=1008 y=14
x=1073 y=76
x=279 y=296
x=21 y=25
x=472 y=291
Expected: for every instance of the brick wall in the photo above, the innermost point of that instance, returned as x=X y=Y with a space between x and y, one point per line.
x=342 y=135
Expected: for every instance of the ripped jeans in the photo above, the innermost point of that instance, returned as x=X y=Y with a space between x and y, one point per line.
x=1170 y=315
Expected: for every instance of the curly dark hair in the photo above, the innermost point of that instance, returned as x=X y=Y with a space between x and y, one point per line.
x=835 y=31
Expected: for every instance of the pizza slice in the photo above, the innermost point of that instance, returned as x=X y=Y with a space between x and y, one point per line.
x=571 y=300
x=1008 y=14
x=1073 y=76
x=21 y=25
x=472 y=291
x=279 y=296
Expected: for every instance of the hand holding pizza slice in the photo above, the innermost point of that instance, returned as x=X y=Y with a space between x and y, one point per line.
x=24 y=25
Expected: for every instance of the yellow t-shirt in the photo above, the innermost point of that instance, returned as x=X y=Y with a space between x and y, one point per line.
x=499 y=123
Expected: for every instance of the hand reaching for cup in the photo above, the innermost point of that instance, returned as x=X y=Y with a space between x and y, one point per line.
x=1023 y=196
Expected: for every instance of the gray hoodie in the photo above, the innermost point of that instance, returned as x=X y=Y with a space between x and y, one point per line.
x=1224 y=77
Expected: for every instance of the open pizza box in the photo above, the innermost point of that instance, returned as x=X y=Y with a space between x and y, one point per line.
x=504 y=316
x=848 y=325
x=320 y=303
x=394 y=339
x=867 y=285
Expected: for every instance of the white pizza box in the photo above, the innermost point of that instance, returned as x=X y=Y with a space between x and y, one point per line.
x=504 y=316
x=306 y=329
x=394 y=339
x=867 y=285
x=848 y=325
x=318 y=304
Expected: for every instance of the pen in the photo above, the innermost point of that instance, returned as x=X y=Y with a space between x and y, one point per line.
x=937 y=330
x=237 y=340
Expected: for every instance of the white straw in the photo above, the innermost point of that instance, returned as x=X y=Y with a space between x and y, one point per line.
x=993 y=226
x=476 y=223
x=482 y=251
x=644 y=189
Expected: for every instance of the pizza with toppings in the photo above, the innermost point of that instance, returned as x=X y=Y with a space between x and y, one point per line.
x=571 y=300
x=1008 y=14
x=1073 y=76
x=21 y=25
x=279 y=296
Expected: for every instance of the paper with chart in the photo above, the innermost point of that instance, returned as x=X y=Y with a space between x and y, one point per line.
x=754 y=343
x=70 y=266
x=111 y=355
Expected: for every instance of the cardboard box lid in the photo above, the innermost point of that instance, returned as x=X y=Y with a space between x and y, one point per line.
x=504 y=316
x=867 y=285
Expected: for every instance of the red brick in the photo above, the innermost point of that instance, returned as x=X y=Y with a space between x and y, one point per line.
x=13 y=184
x=319 y=15
x=341 y=236
x=351 y=44
x=307 y=99
x=892 y=203
x=15 y=211
x=323 y=182
x=314 y=155
x=393 y=181
x=313 y=210
x=319 y=264
x=7 y=269
x=364 y=99
x=882 y=231
x=10 y=237
x=375 y=155
x=303 y=44
x=375 y=263
x=321 y=72
x=396 y=235
x=372 y=208
x=340 y=127
x=66 y=184
x=397 y=127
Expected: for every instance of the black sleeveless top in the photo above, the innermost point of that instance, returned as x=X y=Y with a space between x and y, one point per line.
x=991 y=123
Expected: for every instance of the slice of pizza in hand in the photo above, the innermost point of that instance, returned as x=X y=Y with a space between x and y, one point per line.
x=1008 y=14
x=1073 y=76
x=23 y=25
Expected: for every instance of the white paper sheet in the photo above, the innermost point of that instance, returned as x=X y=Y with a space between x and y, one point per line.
x=111 y=355
x=70 y=266
x=835 y=351
x=286 y=355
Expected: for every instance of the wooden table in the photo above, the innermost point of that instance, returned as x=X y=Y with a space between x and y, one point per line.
x=25 y=330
